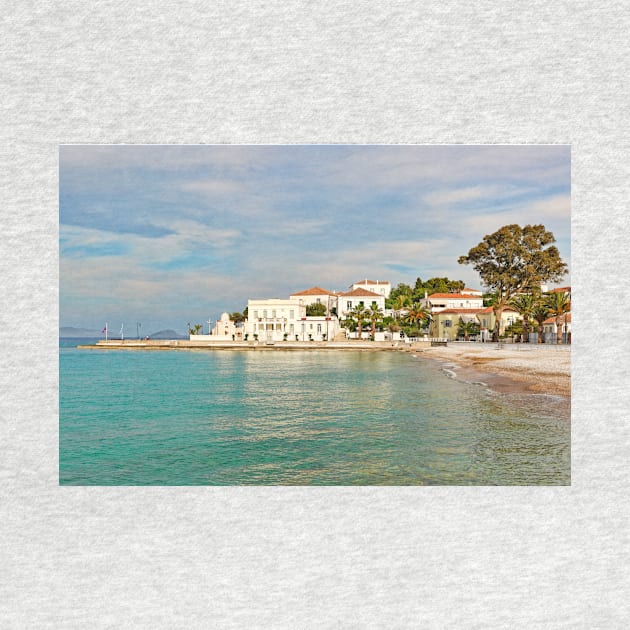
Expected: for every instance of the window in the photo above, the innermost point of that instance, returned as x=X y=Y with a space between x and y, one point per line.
x=265 y=314
x=319 y=328
x=311 y=327
x=273 y=314
x=349 y=305
x=318 y=300
x=291 y=314
x=447 y=323
x=255 y=314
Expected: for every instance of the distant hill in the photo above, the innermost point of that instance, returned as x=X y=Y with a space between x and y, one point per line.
x=167 y=334
x=70 y=331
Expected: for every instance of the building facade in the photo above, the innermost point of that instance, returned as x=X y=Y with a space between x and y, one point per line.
x=274 y=320
x=441 y=301
x=380 y=287
x=352 y=299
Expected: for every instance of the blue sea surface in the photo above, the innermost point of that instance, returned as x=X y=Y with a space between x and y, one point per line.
x=226 y=417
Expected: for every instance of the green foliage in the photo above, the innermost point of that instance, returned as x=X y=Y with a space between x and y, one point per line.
x=468 y=328
x=418 y=316
x=237 y=317
x=374 y=315
x=516 y=328
x=315 y=310
x=432 y=285
x=350 y=324
x=540 y=312
x=194 y=330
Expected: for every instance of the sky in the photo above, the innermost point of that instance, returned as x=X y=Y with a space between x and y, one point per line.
x=169 y=235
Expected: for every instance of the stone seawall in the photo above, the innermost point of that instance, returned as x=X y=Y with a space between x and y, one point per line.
x=186 y=344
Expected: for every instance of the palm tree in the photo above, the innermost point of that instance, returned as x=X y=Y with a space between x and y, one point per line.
x=467 y=328
x=358 y=313
x=400 y=302
x=524 y=303
x=374 y=314
x=540 y=312
x=559 y=304
x=418 y=313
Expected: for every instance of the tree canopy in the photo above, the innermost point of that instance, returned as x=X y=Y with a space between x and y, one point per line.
x=513 y=260
x=316 y=309
x=416 y=293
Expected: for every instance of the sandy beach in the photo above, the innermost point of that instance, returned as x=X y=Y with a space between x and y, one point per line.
x=512 y=368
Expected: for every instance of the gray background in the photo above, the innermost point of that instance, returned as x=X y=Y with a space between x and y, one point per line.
x=271 y=72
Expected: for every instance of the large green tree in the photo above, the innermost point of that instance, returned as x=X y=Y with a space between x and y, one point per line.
x=513 y=260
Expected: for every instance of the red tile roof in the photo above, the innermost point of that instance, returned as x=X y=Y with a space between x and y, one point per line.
x=314 y=291
x=561 y=290
x=359 y=293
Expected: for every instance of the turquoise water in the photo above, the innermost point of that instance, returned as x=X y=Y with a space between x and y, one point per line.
x=315 y=417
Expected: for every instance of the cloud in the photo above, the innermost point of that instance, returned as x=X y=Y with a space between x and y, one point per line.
x=213 y=188
x=173 y=232
x=458 y=195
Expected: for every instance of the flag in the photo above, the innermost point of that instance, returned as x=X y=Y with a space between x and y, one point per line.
x=104 y=330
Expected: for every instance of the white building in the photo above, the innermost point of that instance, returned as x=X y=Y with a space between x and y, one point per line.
x=352 y=299
x=437 y=302
x=278 y=320
x=316 y=295
x=381 y=287
x=226 y=330
x=271 y=319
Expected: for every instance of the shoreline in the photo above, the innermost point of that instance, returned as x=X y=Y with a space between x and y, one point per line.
x=523 y=371
x=505 y=368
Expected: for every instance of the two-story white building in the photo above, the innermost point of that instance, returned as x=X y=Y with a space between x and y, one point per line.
x=271 y=319
x=381 y=287
x=351 y=299
x=316 y=295
x=277 y=320
x=437 y=302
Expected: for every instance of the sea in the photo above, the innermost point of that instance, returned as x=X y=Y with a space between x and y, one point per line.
x=226 y=417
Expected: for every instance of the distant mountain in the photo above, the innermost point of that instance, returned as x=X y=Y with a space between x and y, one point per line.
x=167 y=334
x=70 y=331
